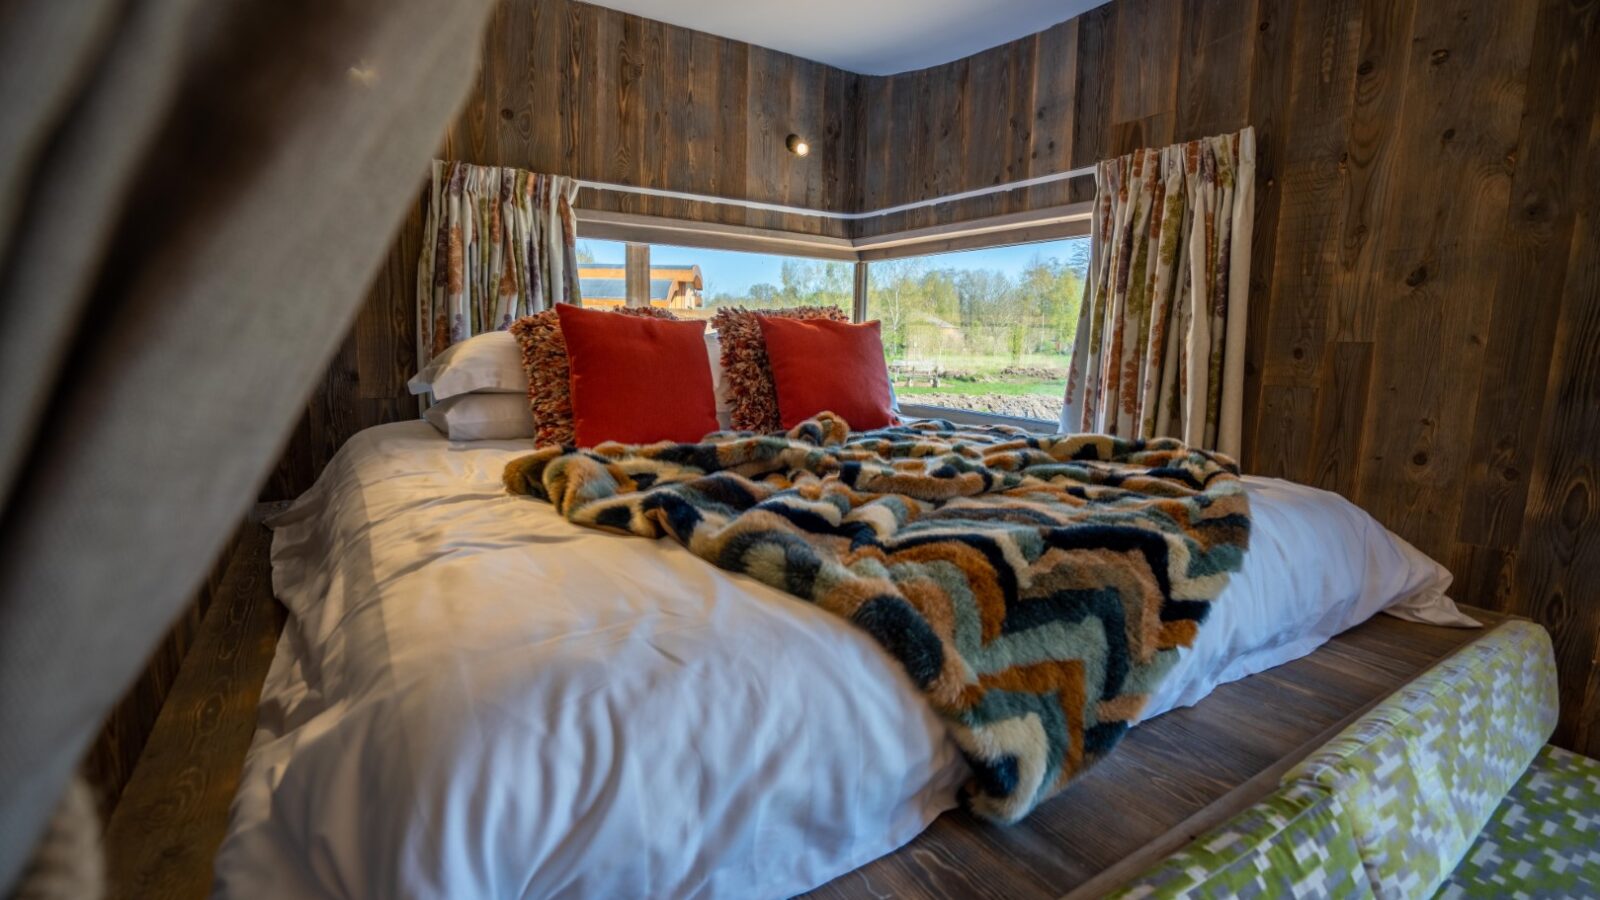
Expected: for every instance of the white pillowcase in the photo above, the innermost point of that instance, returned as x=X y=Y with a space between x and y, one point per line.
x=719 y=386
x=482 y=417
x=490 y=362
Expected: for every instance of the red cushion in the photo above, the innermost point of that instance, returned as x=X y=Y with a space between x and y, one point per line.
x=821 y=365
x=637 y=380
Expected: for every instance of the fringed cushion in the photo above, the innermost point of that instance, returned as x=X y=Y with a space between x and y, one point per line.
x=752 y=396
x=544 y=358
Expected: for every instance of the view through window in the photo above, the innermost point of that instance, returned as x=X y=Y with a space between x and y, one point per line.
x=986 y=330
x=694 y=283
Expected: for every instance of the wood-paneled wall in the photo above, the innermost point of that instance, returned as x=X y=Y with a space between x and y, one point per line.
x=1423 y=330
x=1424 y=334
x=574 y=89
x=580 y=90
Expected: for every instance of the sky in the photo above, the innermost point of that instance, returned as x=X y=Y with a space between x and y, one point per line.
x=732 y=272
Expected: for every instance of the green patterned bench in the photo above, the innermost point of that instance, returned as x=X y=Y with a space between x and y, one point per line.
x=1446 y=788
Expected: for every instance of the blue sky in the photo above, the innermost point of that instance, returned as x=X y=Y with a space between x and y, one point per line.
x=733 y=272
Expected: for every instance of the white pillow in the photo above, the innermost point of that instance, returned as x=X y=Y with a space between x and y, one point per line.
x=482 y=417
x=490 y=362
x=719 y=386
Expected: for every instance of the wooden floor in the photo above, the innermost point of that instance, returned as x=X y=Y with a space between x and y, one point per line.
x=1171 y=778
x=166 y=827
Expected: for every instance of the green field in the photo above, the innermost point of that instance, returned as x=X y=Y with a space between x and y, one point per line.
x=983 y=388
x=976 y=374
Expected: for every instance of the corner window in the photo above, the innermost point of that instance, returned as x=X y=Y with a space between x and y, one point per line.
x=695 y=282
x=987 y=331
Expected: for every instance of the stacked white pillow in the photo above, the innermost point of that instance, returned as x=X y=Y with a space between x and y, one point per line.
x=480 y=392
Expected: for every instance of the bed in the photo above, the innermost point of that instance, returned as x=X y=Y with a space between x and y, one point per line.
x=475 y=697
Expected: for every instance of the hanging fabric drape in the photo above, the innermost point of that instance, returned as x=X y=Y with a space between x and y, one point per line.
x=1159 y=349
x=193 y=199
x=500 y=243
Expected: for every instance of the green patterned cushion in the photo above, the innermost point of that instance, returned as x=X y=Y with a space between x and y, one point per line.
x=1420 y=775
x=1543 y=841
x=1294 y=843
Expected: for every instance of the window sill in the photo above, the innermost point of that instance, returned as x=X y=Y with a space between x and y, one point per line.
x=968 y=417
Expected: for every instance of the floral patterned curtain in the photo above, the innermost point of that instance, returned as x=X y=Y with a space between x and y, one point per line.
x=499 y=243
x=1160 y=343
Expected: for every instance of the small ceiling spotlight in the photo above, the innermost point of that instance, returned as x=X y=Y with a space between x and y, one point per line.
x=796 y=145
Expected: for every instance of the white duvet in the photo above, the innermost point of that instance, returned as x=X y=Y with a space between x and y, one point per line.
x=475 y=698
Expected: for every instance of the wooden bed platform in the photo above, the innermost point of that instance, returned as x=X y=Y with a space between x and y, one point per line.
x=1171 y=779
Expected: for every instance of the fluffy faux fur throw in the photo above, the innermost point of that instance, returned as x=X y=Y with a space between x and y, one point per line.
x=1034 y=588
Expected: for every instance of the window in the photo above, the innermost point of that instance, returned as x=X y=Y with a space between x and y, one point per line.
x=986 y=330
x=980 y=331
x=694 y=283
x=602 y=273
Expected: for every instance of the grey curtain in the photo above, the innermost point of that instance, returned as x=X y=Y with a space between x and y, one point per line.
x=193 y=197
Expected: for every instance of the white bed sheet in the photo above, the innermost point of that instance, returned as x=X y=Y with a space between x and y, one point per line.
x=475 y=698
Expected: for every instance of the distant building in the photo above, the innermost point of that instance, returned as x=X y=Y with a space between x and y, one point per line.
x=605 y=286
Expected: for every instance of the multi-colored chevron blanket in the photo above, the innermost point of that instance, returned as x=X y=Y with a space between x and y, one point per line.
x=1035 y=588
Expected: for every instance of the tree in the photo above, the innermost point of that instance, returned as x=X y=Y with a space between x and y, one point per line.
x=1057 y=292
x=894 y=291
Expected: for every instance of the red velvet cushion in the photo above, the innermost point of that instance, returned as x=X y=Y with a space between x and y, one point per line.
x=637 y=380
x=820 y=365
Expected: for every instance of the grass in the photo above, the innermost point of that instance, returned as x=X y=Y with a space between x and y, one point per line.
x=987 y=368
x=979 y=388
x=985 y=362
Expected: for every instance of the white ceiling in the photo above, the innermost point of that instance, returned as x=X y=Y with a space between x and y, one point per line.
x=872 y=37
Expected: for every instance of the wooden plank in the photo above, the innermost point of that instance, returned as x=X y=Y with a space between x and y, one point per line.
x=1091 y=112
x=1145 y=66
x=165 y=832
x=1335 y=461
x=1055 y=91
x=1563 y=85
x=1283 y=443
x=1461 y=112
x=1216 y=38
x=1484 y=576
x=1311 y=179
x=385 y=330
x=1558 y=558
x=767 y=102
x=1269 y=106
x=1369 y=163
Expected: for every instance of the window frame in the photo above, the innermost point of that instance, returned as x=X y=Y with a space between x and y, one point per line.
x=1032 y=227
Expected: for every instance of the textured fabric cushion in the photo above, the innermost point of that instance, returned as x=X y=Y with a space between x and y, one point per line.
x=1544 y=838
x=752 y=398
x=1422 y=772
x=1294 y=843
x=820 y=365
x=635 y=380
x=489 y=362
x=482 y=417
x=544 y=365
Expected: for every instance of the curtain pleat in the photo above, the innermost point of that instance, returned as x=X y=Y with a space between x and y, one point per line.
x=501 y=244
x=1159 y=349
x=202 y=194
